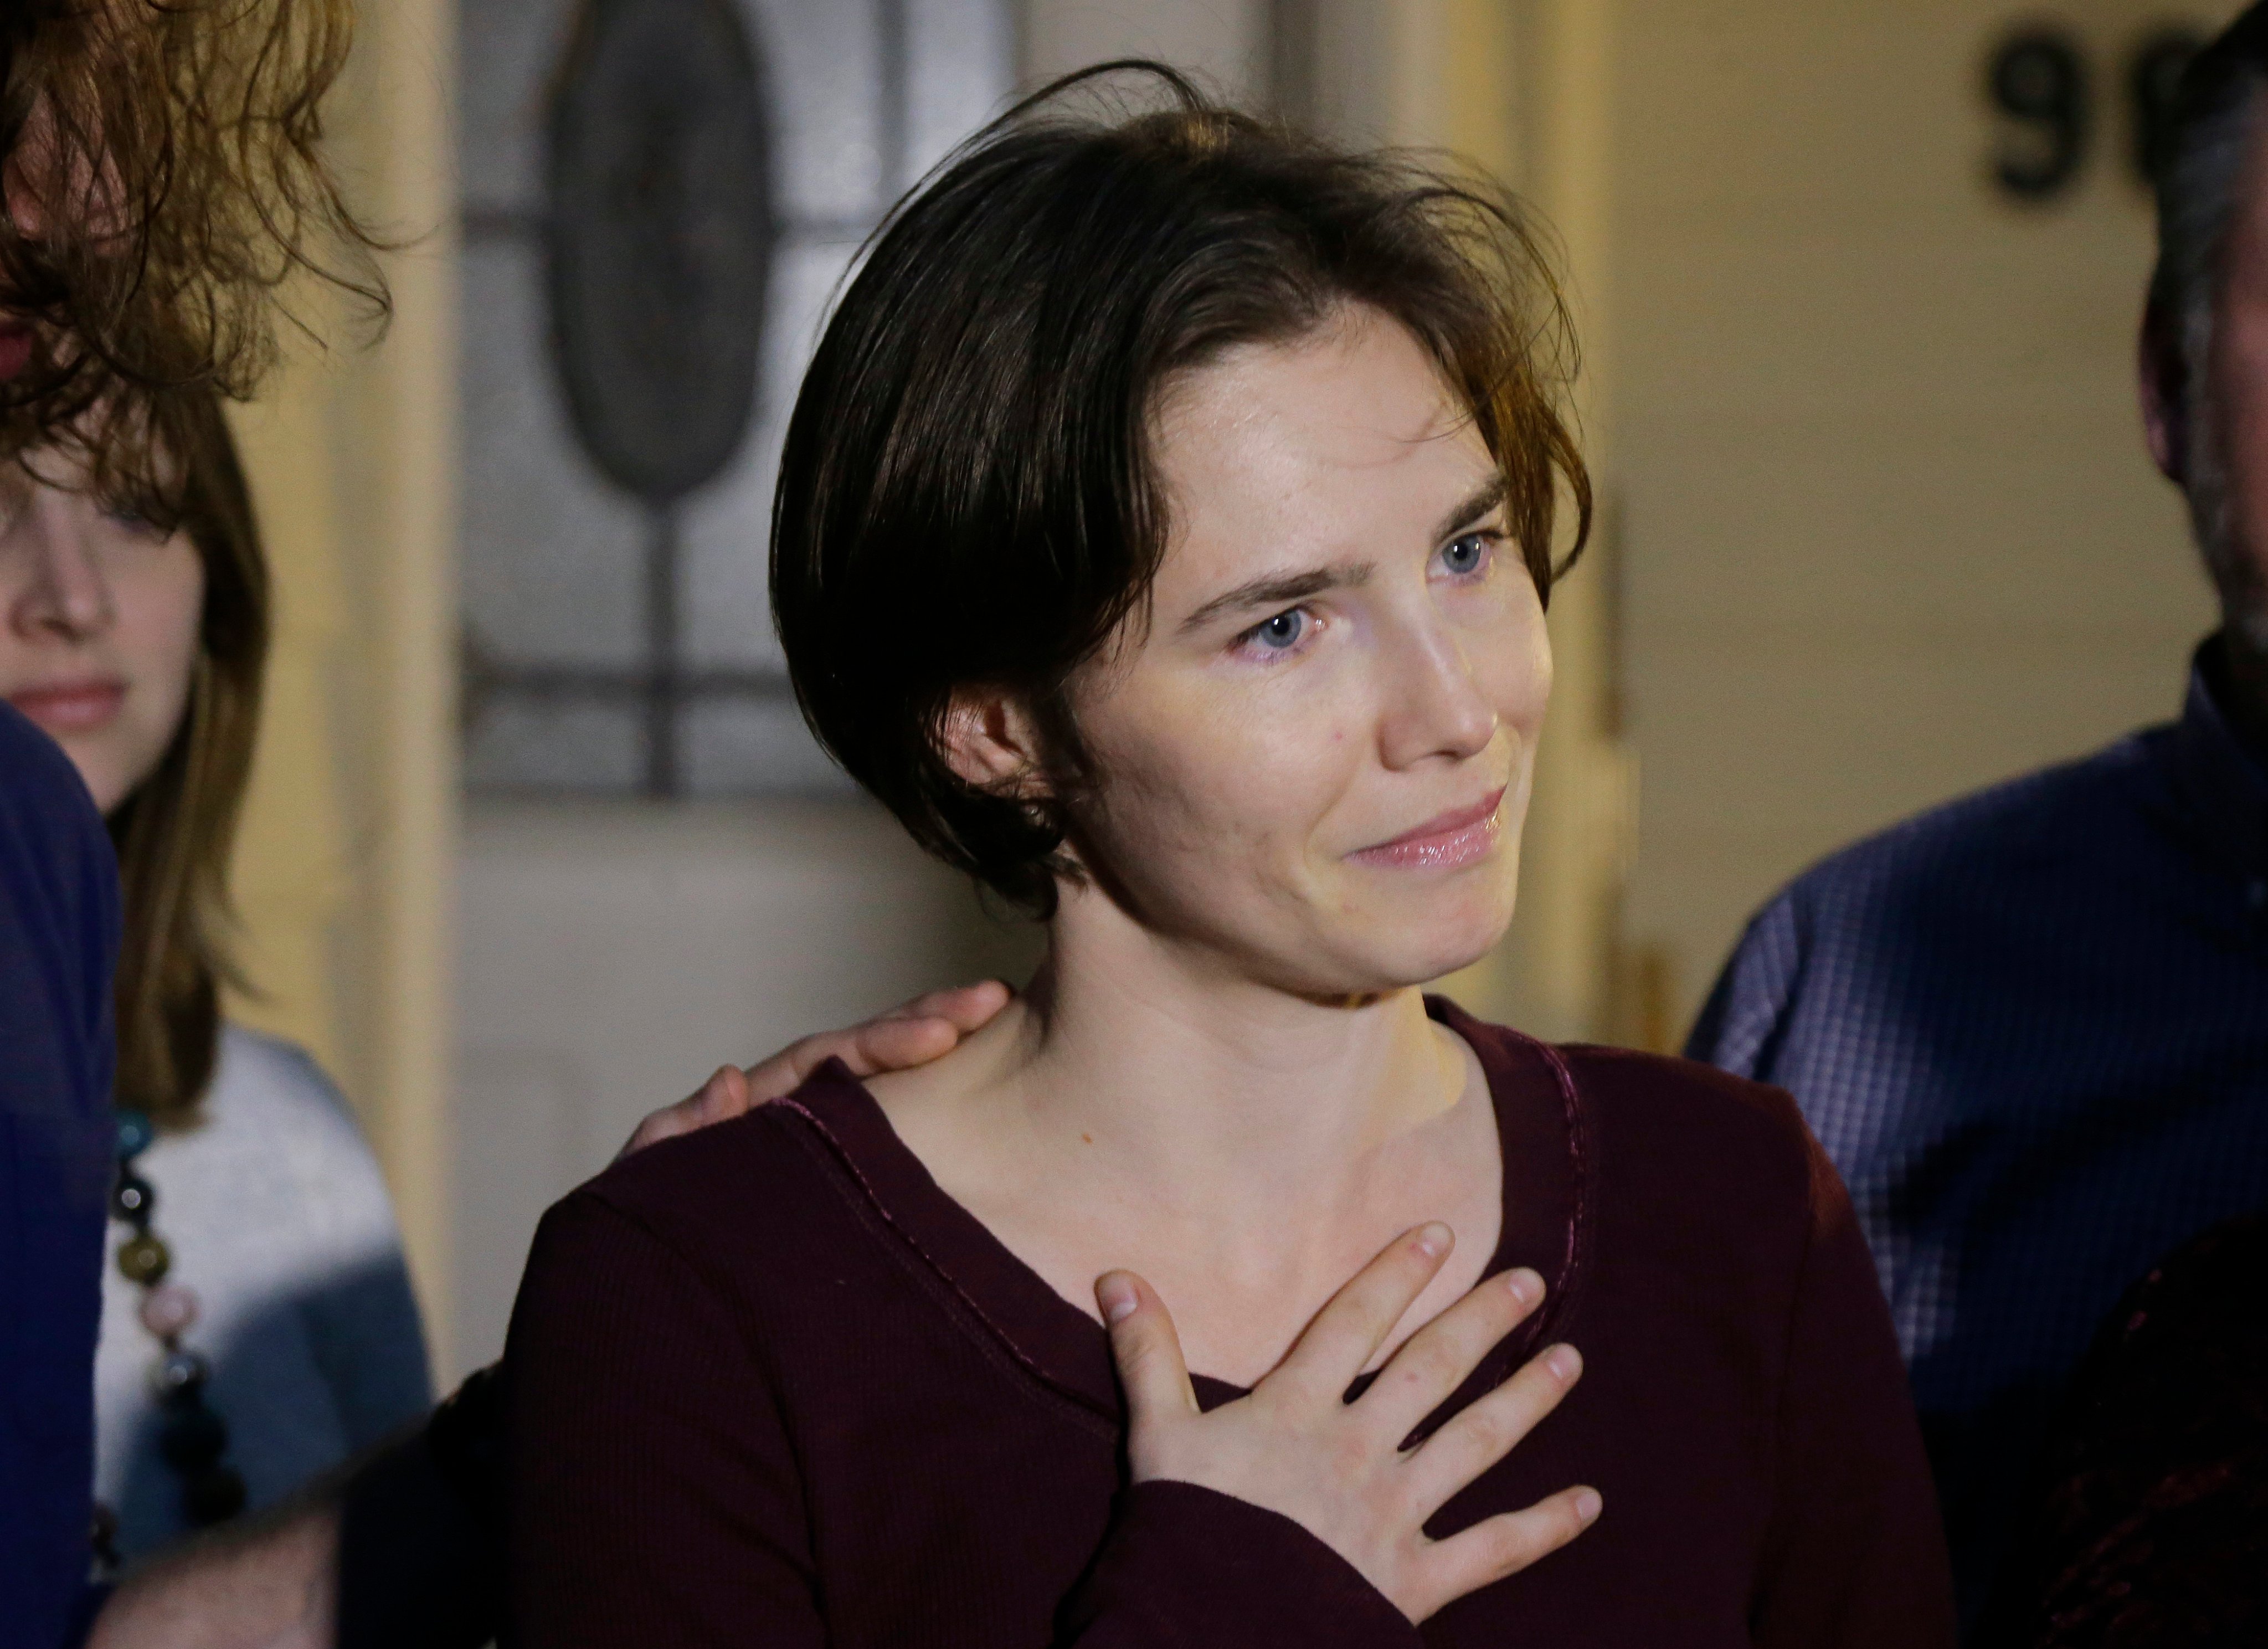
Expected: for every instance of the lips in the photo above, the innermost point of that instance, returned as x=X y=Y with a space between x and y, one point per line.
x=1447 y=842
x=71 y=706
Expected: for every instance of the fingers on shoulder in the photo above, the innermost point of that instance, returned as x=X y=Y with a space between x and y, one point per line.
x=965 y=1007
x=893 y=1044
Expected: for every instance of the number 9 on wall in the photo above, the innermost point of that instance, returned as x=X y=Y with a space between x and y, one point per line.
x=2039 y=84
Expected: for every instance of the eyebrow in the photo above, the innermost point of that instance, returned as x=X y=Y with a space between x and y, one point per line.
x=1485 y=498
x=1277 y=590
x=1280 y=589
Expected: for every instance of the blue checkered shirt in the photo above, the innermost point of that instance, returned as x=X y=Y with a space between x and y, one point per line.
x=2031 y=1029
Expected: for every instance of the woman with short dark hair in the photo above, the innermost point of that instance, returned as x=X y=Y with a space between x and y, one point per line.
x=1163 y=534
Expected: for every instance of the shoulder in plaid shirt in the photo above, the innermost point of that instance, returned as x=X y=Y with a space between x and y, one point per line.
x=2031 y=1029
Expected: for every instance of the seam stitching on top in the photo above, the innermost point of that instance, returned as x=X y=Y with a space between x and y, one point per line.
x=1578 y=1207
x=1023 y=1359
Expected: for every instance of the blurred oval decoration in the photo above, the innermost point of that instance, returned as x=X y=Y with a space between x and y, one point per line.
x=660 y=237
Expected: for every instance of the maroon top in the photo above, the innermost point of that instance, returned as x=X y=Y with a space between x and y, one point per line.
x=770 y=1387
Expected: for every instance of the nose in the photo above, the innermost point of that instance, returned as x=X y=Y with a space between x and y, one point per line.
x=61 y=589
x=1437 y=705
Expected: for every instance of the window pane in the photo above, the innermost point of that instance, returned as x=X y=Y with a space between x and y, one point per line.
x=556 y=560
x=554 y=569
x=826 y=80
x=520 y=745
x=753 y=747
x=961 y=62
x=511 y=49
x=727 y=614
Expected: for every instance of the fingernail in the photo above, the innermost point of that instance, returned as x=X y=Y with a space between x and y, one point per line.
x=1433 y=1239
x=1564 y=1361
x=1117 y=1298
x=1524 y=1285
x=1588 y=1505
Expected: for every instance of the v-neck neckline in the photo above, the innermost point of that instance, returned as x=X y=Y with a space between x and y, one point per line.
x=1541 y=1135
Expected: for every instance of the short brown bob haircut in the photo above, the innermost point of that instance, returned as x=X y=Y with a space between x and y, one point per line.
x=968 y=494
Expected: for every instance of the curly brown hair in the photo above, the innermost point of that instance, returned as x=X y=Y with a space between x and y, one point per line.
x=163 y=167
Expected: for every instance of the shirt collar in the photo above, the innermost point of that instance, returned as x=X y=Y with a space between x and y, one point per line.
x=2223 y=780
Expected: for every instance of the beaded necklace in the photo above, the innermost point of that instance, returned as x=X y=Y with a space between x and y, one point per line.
x=194 y=1438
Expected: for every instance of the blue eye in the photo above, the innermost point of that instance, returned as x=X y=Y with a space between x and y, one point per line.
x=1467 y=554
x=1282 y=631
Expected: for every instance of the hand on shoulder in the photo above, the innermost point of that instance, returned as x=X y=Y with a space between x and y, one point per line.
x=912 y=1033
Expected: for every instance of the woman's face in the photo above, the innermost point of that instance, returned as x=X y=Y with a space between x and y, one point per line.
x=101 y=617
x=1315 y=758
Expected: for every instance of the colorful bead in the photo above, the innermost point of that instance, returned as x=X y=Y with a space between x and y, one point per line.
x=180 y=1376
x=144 y=1259
x=132 y=1198
x=193 y=1438
x=213 y=1496
x=135 y=1132
x=168 y=1310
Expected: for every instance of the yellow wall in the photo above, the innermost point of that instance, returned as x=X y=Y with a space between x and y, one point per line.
x=291 y=872
x=344 y=875
x=1561 y=969
x=1888 y=529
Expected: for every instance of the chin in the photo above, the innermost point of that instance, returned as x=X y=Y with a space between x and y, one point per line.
x=1376 y=951
x=1443 y=959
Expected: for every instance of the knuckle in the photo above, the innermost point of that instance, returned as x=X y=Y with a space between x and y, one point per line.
x=1411 y=1378
x=1349 y=1454
x=1487 y=1433
x=1440 y=1358
x=1366 y=1303
x=1512 y=1547
x=1295 y=1393
x=1535 y=1389
x=1551 y=1526
x=1137 y=1346
x=1134 y=1350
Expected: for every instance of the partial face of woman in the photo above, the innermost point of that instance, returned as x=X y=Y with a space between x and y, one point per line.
x=1315 y=757
x=100 y=636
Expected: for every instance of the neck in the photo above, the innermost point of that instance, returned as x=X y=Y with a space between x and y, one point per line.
x=1222 y=1098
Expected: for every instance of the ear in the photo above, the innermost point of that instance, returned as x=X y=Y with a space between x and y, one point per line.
x=2164 y=379
x=991 y=742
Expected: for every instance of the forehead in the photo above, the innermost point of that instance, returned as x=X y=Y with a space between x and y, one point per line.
x=1357 y=393
x=1280 y=451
